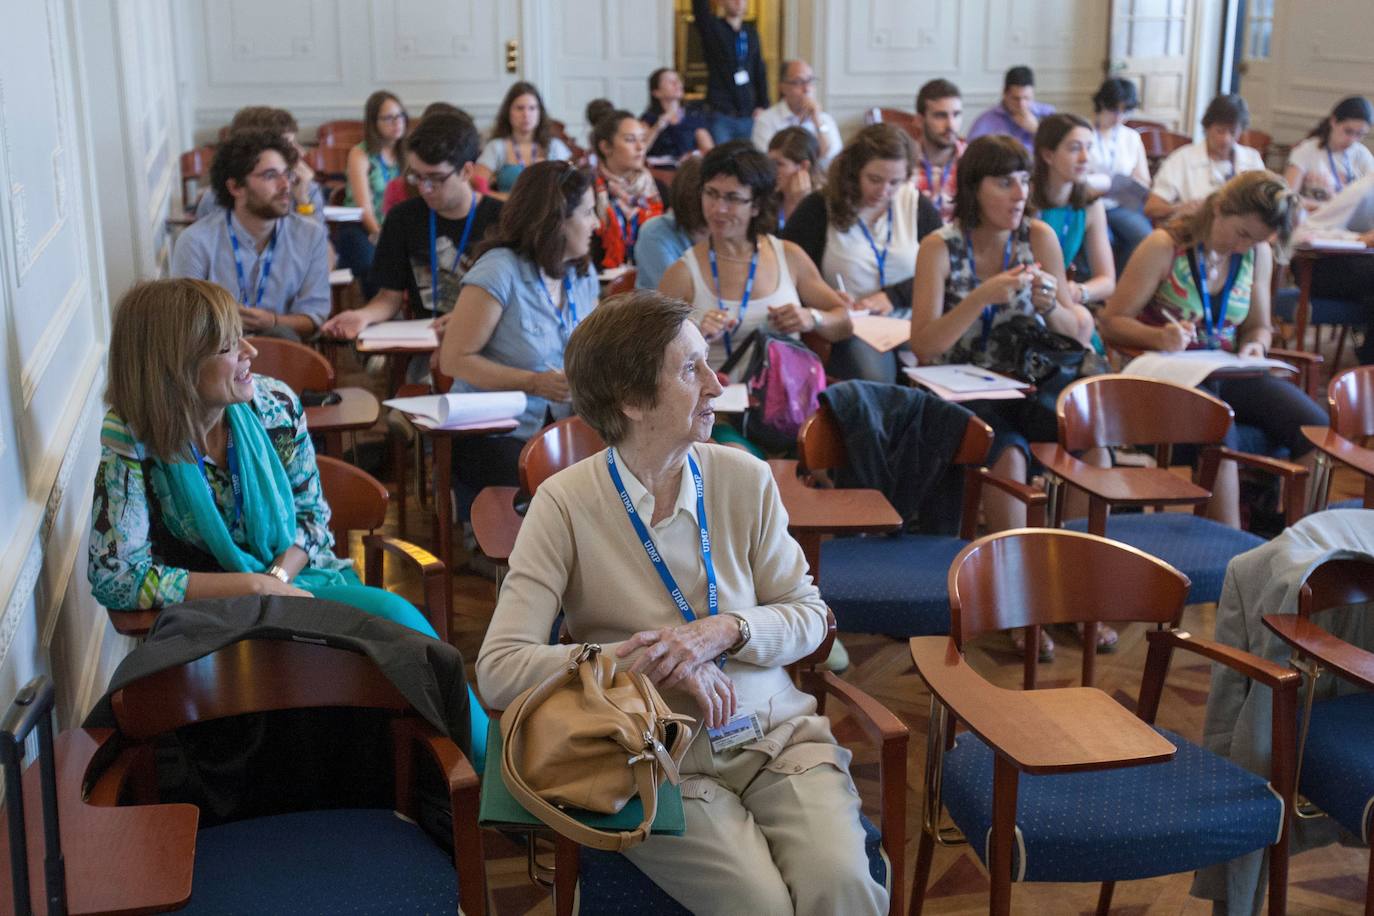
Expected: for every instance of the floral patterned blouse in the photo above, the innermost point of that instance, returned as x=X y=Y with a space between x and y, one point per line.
x=136 y=563
x=962 y=280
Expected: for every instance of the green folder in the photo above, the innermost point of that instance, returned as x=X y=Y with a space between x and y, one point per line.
x=500 y=809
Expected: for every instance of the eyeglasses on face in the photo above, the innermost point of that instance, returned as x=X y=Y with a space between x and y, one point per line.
x=801 y=81
x=392 y=118
x=711 y=195
x=272 y=176
x=428 y=182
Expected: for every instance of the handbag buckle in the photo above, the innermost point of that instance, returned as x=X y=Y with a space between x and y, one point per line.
x=589 y=651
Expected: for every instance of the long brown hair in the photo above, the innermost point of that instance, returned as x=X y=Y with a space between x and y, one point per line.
x=842 y=191
x=372 y=110
x=1255 y=193
x=545 y=194
x=1052 y=131
x=163 y=330
x=989 y=156
x=543 y=131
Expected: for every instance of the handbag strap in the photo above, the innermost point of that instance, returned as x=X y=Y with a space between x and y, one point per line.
x=745 y=346
x=645 y=771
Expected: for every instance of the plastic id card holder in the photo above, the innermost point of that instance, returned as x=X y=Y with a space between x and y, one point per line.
x=741 y=77
x=739 y=730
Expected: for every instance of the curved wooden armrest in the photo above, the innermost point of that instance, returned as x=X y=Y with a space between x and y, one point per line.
x=1246 y=663
x=446 y=755
x=1059 y=730
x=1031 y=496
x=1341 y=448
x=1350 y=662
x=1294 y=476
x=823 y=650
x=433 y=574
x=495 y=523
x=879 y=723
x=1121 y=486
x=1307 y=364
x=1285 y=469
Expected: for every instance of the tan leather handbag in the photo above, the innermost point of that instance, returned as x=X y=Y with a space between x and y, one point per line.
x=591 y=738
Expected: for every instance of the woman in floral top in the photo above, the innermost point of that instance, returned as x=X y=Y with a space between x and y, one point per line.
x=207 y=485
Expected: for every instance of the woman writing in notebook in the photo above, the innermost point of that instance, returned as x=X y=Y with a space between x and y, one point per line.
x=1202 y=282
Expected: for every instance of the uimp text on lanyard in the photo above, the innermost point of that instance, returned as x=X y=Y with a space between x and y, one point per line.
x=434 y=249
x=642 y=532
x=879 y=256
x=1214 y=320
x=748 y=287
x=264 y=270
x=988 y=310
x=231 y=458
x=569 y=306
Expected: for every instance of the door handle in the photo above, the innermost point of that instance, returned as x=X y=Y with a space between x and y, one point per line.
x=512 y=55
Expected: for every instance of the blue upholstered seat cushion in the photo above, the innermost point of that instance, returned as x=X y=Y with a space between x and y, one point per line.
x=1117 y=825
x=896 y=585
x=1325 y=310
x=1338 y=760
x=610 y=885
x=1197 y=547
x=321 y=862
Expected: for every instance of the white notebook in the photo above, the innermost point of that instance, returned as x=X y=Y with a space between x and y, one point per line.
x=418 y=332
x=456 y=411
x=1192 y=367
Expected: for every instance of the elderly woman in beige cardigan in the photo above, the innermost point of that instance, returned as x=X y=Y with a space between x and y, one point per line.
x=772 y=823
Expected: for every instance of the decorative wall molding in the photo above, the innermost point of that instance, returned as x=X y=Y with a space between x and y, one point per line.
x=31 y=375
x=21 y=596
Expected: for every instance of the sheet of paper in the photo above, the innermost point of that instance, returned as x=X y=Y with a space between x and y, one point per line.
x=458 y=411
x=964 y=377
x=1329 y=240
x=613 y=273
x=734 y=399
x=340 y=276
x=343 y=214
x=416 y=332
x=881 y=332
x=1192 y=367
x=1128 y=192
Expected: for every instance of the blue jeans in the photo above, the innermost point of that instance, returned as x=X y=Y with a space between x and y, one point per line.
x=730 y=127
x=355 y=250
x=1128 y=229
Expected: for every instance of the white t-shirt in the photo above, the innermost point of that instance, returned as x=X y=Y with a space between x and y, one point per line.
x=771 y=120
x=1352 y=208
x=849 y=255
x=756 y=312
x=1115 y=153
x=1190 y=174
x=1337 y=169
x=493 y=154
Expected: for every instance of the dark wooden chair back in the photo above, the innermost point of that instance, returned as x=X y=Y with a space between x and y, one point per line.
x=1257 y=140
x=253 y=675
x=296 y=364
x=1036 y=577
x=1173 y=141
x=1336 y=583
x=195 y=167
x=1112 y=410
x=555 y=447
x=560 y=130
x=904 y=120
x=621 y=284
x=357 y=500
x=820 y=442
x=343 y=134
x=1352 y=403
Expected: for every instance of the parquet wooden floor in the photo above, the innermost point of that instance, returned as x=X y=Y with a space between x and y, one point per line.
x=1323 y=881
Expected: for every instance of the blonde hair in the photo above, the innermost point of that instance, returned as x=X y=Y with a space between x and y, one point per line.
x=163 y=331
x=1255 y=193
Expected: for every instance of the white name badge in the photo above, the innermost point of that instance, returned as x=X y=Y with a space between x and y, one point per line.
x=739 y=730
x=741 y=77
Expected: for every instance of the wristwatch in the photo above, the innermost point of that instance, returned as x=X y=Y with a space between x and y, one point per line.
x=743 y=636
x=816 y=316
x=277 y=572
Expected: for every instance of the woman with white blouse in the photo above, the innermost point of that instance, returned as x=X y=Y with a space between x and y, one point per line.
x=1117 y=150
x=1333 y=156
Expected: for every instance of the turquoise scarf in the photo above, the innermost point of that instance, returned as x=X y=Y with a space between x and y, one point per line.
x=269 y=511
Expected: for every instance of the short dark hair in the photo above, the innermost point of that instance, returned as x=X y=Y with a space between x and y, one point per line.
x=434 y=108
x=1352 y=108
x=606 y=126
x=1018 y=76
x=543 y=131
x=842 y=191
x=237 y=156
x=933 y=91
x=1227 y=109
x=739 y=160
x=372 y=110
x=531 y=225
x=614 y=358
x=443 y=137
x=264 y=117
x=1051 y=132
x=685 y=196
x=989 y=156
x=1116 y=93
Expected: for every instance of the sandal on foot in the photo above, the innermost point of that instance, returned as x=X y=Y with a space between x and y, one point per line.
x=1106 y=638
x=1018 y=639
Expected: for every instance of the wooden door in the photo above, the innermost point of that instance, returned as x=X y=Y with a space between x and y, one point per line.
x=1151 y=44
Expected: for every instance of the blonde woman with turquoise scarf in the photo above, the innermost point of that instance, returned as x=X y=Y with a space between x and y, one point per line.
x=207 y=485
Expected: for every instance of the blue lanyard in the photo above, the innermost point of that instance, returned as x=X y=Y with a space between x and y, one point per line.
x=936 y=192
x=741 y=47
x=263 y=272
x=569 y=306
x=660 y=567
x=1349 y=172
x=1214 y=319
x=519 y=159
x=629 y=230
x=748 y=288
x=988 y=310
x=434 y=250
x=231 y=457
x=880 y=256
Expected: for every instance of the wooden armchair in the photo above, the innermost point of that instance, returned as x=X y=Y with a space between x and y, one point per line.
x=335 y=857
x=299 y=366
x=622 y=284
x=1351 y=398
x=1066 y=784
x=1335 y=762
x=495 y=519
x=890 y=585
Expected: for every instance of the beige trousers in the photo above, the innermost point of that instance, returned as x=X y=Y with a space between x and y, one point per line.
x=767 y=834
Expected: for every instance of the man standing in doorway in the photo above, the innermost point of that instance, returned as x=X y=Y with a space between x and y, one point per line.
x=1018 y=114
x=939 y=115
x=736 y=84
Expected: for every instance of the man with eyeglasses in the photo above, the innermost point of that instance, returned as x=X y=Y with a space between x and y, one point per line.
x=427 y=242
x=306 y=191
x=274 y=261
x=799 y=107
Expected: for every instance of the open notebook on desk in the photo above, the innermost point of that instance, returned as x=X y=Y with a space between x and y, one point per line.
x=417 y=333
x=472 y=410
x=1192 y=367
x=966 y=382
